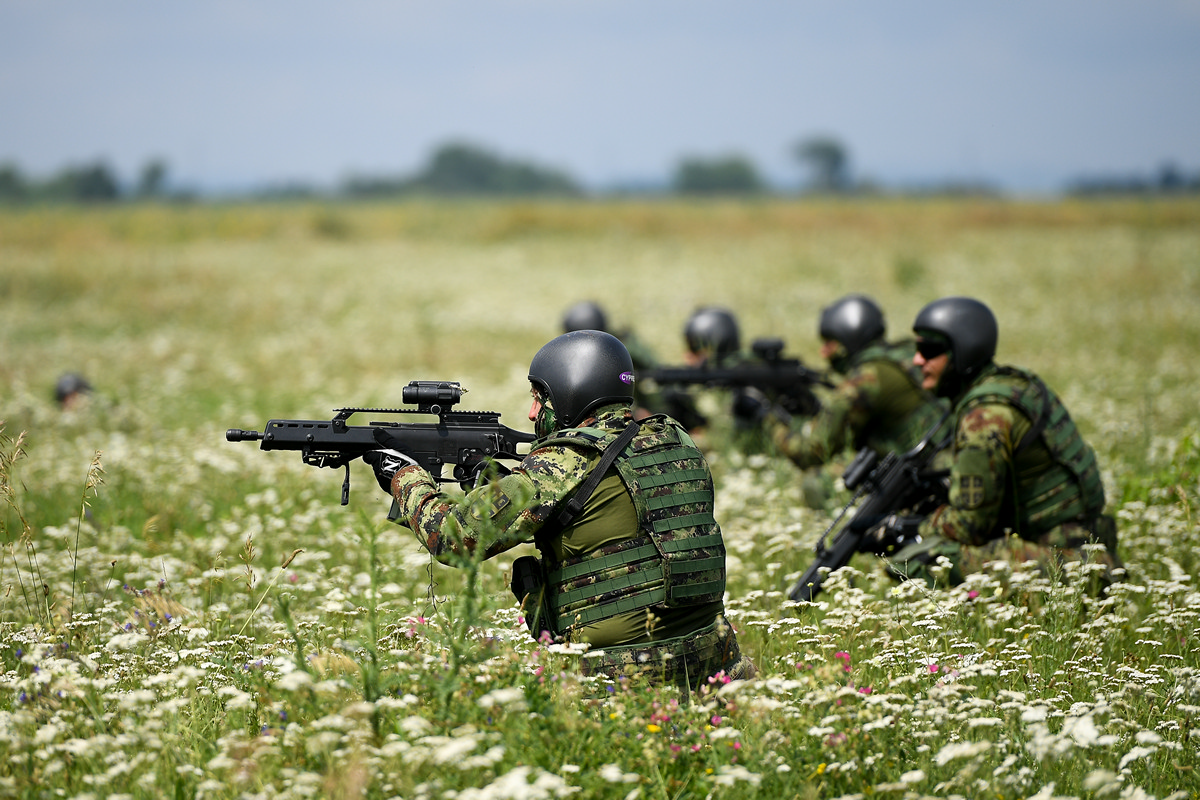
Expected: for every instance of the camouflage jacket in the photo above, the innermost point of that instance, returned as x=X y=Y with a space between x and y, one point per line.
x=879 y=404
x=1018 y=463
x=516 y=508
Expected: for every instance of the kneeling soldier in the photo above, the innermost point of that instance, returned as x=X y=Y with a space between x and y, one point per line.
x=632 y=559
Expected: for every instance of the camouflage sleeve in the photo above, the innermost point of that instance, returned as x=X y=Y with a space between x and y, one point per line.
x=844 y=412
x=978 y=476
x=492 y=518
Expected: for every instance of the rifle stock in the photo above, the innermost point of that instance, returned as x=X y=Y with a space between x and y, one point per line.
x=468 y=440
x=891 y=485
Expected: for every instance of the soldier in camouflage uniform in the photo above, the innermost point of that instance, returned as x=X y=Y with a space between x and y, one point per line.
x=713 y=338
x=589 y=315
x=621 y=511
x=1024 y=485
x=879 y=402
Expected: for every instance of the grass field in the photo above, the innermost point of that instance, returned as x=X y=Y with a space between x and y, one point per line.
x=153 y=645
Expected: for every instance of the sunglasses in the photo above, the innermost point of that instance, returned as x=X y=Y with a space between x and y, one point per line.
x=931 y=348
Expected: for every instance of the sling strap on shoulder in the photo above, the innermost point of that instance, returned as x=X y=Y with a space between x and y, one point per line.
x=581 y=496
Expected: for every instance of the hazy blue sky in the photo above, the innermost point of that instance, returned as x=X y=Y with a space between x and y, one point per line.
x=1026 y=94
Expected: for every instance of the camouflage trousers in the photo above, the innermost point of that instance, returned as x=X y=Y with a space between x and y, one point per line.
x=687 y=661
x=1050 y=551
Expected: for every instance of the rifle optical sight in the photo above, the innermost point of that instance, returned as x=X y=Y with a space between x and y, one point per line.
x=432 y=396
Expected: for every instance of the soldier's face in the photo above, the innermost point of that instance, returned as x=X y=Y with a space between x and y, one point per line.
x=829 y=348
x=536 y=407
x=931 y=369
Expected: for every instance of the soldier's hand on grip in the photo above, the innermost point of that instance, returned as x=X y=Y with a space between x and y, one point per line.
x=894 y=531
x=386 y=464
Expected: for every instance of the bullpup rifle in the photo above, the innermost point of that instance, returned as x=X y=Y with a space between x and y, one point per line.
x=784 y=381
x=469 y=440
x=896 y=483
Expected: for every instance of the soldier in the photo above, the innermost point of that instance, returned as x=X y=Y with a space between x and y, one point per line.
x=712 y=337
x=879 y=402
x=70 y=390
x=1024 y=485
x=589 y=315
x=621 y=512
x=713 y=340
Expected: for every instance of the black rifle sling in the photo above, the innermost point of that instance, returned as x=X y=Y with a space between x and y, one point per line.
x=580 y=498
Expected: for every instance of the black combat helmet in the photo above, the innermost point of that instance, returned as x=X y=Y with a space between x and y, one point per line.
x=854 y=322
x=69 y=385
x=970 y=330
x=581 y=371
x=712 y=329
x=585 y=316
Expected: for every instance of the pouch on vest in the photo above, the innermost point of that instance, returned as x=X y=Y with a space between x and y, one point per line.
x=528 y=586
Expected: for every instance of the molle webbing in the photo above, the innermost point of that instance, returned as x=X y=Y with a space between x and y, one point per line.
x=1072 y=488
x=679 y=558
x=603 y=584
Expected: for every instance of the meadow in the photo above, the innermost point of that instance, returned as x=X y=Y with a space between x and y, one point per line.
x=181 y=616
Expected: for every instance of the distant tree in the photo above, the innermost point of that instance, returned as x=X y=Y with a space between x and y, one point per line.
x=152 y=182
x=94 y=183
x=459 y=168
x=369 y=186
x=828 y=161
x=728 y=175
x=13 y=187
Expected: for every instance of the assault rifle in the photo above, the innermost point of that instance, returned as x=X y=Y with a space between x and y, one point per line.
x=785 y=381
x=894 y=484
x=467 y=439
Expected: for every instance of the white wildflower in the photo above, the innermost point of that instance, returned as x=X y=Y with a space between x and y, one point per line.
x=236 y=698
x=515 y=785
x=1135 y=754
x=449 y=749
x=730 y=774
x=294 y=681
x=957 y=750
x=1081 y=729
x=510 y=697
x=124 y=641
x=613 y=774
x=984 y=722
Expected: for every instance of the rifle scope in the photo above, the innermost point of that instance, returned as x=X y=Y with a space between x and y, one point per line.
x=434 y=396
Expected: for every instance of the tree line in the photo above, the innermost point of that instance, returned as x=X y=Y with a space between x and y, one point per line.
x=458 y=169
x=454 y=169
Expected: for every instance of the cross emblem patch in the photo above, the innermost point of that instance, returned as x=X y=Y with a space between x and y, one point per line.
x=970 y=489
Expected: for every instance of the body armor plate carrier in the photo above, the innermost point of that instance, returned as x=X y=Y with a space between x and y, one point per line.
x=1071 y=488
x=679 y=557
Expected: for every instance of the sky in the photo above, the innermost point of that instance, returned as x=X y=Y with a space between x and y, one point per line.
x=1025 y=94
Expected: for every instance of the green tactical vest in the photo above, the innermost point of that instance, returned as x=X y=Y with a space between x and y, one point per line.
x=912 y=411
x=679 y=558
x=1060 y=480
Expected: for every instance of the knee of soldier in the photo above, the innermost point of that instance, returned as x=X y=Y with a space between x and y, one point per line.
x=933 y=560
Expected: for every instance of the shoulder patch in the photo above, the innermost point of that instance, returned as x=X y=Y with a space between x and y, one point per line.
x=970 y=491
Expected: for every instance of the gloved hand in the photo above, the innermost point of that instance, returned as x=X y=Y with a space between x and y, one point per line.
x=894 y=531
x=750 y=405
x=386 y=464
